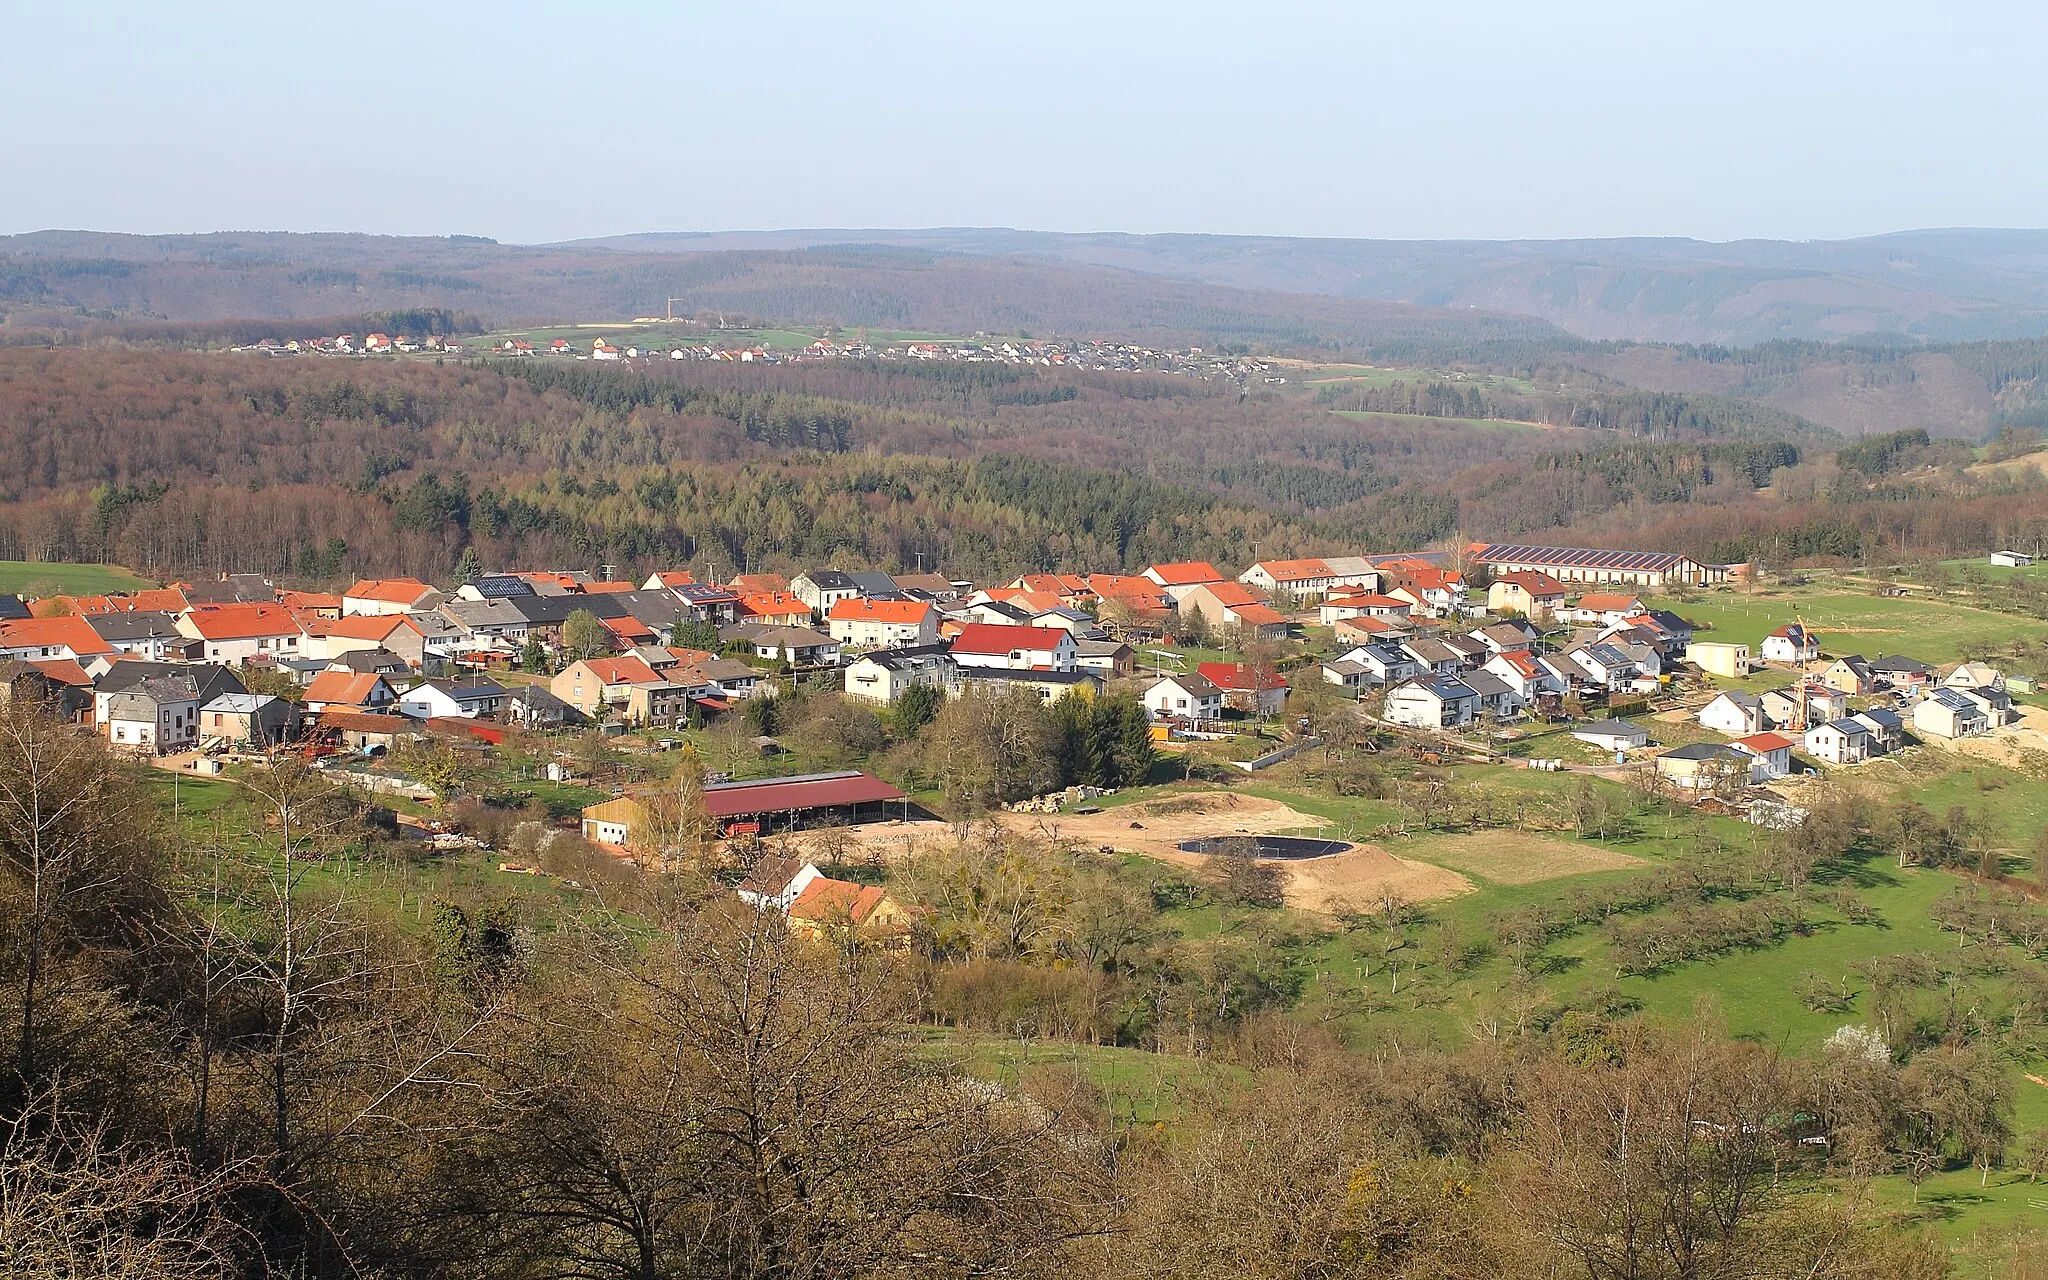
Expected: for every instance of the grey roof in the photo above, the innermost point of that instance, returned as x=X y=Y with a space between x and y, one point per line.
x=1390 y=655
x=368 y=661
x=465 y=688
x=212 y=680
x=1433 y=651
x=1900 y=662
x=1485 y=684
x=535 y=695
x=723 y=669
x=1699 y=751
x=833 y=580
x=1099 y=648
x=1954 y=701
x=139 y=625
x=1198 y=685
x=767 y=633
x=909 y=657
x=1848 y=726
x=1449 y=690
x=1005 y=609
x=1023 y=676
x=12 y=608
x=1346 y=667
x=502 y=586
x=173 y=688
x=1744 y=699
x=236 y=588
x=241 y=703
x=1611 y=729
x=1881 y=717
x=873 y=583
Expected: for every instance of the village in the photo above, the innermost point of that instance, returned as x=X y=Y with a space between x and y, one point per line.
x=1084 y=354
x=1561 y=659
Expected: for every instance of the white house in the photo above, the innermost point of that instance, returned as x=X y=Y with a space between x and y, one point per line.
x=160 y=713
x=1790 y=643
x=1734 y=713
x=1946 y=713
x=775 y=882
x=882 y=676
x=1384 y=663
x=1839 y=742
x=463 y=699
x=1183 y=697
x=1612 y=735
x=987 y=644
x=1525 y=672
x=1432 y=702
x=1772 y=753
x=861 y=623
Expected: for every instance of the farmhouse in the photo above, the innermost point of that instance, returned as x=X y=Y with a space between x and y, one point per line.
x=827 y=906
x=1651 y=570
x=1230 y=607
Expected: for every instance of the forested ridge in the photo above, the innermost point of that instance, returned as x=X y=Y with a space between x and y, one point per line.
x=148 y=459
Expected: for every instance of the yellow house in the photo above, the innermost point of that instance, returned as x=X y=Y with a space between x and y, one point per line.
x=1714 y=658
x=826 y=904
x=613 y=821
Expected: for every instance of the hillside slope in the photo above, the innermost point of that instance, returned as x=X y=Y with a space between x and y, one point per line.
x=1930 y=285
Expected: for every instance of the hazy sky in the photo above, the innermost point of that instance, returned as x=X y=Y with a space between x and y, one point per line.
x=1422 y=119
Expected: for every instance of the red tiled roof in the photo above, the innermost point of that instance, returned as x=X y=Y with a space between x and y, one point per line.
x=607 y=588
x=361 y=626
x=306 y=600
x=997 y=637
x=1607 y=601
x=784 y=795
x=674 y=578
x=347 y=688
x=72 y=632
x=64 y=671
x=1232 y=594
x=1187 y=573
x=362 y=721
x=1529 y=580
x=1258 y=615
x=759 y=582
x=772 y=604
x=863 y=610
x=826 y=899
x=1238 y=677
x=388 y=590
x=1294 y=570
x=1763 y=743
x=242 y=621
x=628 y=627
x=622 y=671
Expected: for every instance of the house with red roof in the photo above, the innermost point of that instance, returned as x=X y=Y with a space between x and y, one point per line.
x=777 y=608
x=827 y=907
x=626 y=685
x=1232 y=609
x=236 y=633
x=1180 y=578
x=1357 y=602
x=1247 y=688
x=334 y=637
x=350 y=691
x=863 y=623
x=667 y=580
x=1605 y=608
x=1016 y=648
x=387 y=595
x=1533 y=594
x=1772 y=753
x=42 y=639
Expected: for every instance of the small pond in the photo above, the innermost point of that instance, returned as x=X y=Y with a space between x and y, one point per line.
x=1268 y=846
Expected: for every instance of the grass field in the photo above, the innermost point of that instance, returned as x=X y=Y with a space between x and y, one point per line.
x=1455 y=422
x=36 y=578
x=1857 y=622
x=1375 y=376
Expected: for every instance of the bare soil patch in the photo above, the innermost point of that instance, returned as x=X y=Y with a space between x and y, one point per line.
x=1519 y=857
x=1162 y=823
x=1360 y=878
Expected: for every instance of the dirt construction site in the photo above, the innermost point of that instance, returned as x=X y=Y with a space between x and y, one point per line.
x=1358 y=877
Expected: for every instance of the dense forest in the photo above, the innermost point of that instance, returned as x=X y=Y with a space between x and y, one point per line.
x=146 y=458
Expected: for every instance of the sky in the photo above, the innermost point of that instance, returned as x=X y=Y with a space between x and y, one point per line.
x=1791 y=120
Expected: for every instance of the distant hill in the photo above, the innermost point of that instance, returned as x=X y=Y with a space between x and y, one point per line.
x=1943 y=285
x=64 y=278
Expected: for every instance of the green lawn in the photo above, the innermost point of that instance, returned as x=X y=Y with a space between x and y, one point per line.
x=1855 y=622
x=41 y=578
